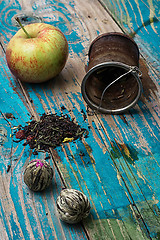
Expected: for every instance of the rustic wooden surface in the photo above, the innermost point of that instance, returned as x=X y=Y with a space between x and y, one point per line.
x=117 y=166
x=141 y=20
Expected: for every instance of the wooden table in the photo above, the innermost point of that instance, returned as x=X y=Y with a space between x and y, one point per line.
x=119 y=168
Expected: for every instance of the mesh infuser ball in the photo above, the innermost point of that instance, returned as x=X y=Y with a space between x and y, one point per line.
x=38 y=175
x=72 y=206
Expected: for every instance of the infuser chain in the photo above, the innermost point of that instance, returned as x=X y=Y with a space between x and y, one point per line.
x=136 y=70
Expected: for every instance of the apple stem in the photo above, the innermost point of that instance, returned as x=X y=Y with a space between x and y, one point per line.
x=17 y=19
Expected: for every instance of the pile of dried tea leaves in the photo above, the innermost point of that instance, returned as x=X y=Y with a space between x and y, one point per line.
x=50 y=131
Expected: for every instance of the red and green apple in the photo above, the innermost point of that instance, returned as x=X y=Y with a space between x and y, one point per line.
x=37 y=53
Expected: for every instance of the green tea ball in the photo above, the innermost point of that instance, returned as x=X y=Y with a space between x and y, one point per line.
x=72 y=206
x=38 y=175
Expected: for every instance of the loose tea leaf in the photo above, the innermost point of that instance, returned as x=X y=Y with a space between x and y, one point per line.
x=50 y=131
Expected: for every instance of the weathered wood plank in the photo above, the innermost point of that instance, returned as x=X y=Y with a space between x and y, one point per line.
x=102 y=227
x=116 y=189
x=106 y=225
x=141 y=20
x=24 y=214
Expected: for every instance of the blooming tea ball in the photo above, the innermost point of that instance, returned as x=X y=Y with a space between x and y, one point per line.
x=72 y=206
x=38 y=175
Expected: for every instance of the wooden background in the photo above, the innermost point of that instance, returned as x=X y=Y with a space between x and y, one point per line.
x=118 y=165
x=141 y=20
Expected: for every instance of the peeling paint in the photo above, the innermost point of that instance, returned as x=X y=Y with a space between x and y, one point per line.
x=128 y=152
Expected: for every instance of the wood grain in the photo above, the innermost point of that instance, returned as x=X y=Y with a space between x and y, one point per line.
x=115 y=166
x=141 y=20
x=25 y=215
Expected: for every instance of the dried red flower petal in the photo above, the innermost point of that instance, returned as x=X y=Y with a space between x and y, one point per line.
x=20 y=134
x=29 y=138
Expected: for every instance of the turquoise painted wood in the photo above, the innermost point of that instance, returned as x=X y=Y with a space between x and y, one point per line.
x=140 y=19
x=117 y=166
x=24 y=214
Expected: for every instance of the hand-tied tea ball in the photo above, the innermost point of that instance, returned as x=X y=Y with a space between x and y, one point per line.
x=38 y=175
x=72 y=206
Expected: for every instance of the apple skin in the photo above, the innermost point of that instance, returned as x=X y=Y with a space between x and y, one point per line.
x=39 y=58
